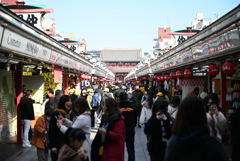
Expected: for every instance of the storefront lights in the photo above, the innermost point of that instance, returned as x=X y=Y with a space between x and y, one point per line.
x=8 y=67
x=40 y=71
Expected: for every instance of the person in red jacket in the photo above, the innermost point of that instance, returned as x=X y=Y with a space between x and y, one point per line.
x=112 y=132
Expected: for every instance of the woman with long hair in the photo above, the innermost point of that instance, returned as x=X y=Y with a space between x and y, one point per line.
x=147 y=103
x=82 y=121
x=173 y=107
x=109 y=142
x=55 y=135
x=191 y=139
x=158 y=130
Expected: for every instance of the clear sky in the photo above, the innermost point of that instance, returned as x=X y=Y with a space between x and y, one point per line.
x=127 y=23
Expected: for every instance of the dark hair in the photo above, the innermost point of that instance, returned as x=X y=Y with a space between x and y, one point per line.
x=100 y=86
x=48 y=112
x=196 y=89
x=50 y=90
x=58 y=92
x=150 y=99
x=123 y=96
x=28 y=93
x=162 y=85
x=175 y=101
x=160 y=105
x=191 y=113
x=82 y=105
x=62 y=101
x=213 y=97
x=75 y=134
x=112 y=109
x=74 y=97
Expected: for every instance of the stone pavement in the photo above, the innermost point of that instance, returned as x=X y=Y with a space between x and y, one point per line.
x=30 y=154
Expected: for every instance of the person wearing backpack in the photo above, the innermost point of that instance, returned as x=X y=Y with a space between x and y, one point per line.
x=40 y=138
x=93 y=103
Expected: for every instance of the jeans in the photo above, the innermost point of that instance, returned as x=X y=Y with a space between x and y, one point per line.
x=27 y=125
x=130 y=146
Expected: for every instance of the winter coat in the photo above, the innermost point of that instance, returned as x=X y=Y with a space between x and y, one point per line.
x=116 y=93
x=55 y=135
x=114 y=142
x=153 y=130
x=194 y=146
x=220 y=124
x=172 y=111
x=26 y=108
x=83 y=122
x=129 y=113
x=146 y=112
x=39 y=132
x=67 y=153
x=137 y=94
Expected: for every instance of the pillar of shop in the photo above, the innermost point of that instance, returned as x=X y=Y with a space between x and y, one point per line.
x=66 y=83
x=19 y=96
x=223 y=91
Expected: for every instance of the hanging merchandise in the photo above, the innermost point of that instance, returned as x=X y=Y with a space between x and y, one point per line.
x=213 y=70
x=179 y=75
x=229 y=68
x=188 y=73
x=173 y=75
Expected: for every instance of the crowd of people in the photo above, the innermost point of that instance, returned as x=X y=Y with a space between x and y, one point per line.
x=190 y=129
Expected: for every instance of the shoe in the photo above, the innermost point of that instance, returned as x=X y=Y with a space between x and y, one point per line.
x=139 y=126
x=27 y=146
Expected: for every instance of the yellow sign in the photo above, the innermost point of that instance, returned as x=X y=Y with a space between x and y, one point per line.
x=27 y=73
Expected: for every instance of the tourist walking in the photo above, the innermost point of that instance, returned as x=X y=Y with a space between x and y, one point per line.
x=55 y=135
x=173 y=107
x=191 y=138
x=82 y=121
x=137 y=94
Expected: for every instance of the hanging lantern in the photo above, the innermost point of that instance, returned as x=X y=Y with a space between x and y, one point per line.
x=154 y=77
x=104 y=79
x=159 y=78
x=179 y=74
x=188 y=73
x=83 y=76
x=167 y=78
x=138 y=79
x=138 y=82
x=173 y=75
x=144 y=78
x=213 y=70
x=162 y=78
x=95 y=78
x=229 y=68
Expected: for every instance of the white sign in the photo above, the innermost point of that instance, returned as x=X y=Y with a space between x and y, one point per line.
x=44 y=53
x=55 y=57
x=65 y=61
x=32 y=18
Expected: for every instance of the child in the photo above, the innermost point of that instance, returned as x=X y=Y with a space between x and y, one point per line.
x=40 y=138
x=73 y=141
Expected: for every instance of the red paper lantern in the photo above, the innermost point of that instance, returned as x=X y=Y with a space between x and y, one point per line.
x=159 y=78
x=138 y=79
x=173 y=75
x=154 y=77
x=138 y=82
x=179 y=74
x=83 y=76
x=144 y=78
x=162 y=78
x=167 y=77
x=229 y=68
x=188 y=73
x=95 y=78
x=213 y=70
x=104 y=79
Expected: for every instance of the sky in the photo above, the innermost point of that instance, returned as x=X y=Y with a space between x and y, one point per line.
x=127 y=23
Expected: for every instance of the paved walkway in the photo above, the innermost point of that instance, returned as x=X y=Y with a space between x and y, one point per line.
x=30 y=154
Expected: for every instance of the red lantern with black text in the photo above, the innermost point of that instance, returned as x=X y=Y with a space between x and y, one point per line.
x=104 y=79
x=179 y=74
x=145 y=78
x=167 y=77
x=229 y=68
x=159 y=78
x=83 y=76
x=213 y=70
x=154 y=77
x=95 y=78
x=173 y=75
x=188 y=73
x=138 y=82
x=162 y=78
x=138 y=79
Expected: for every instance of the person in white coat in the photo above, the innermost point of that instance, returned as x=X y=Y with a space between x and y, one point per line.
x=82 y=121
x=216 y=120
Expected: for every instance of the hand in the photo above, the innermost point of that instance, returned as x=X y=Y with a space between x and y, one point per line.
x=210 y=111
x=61 y=118
x=216 y=111
x=161 y=117
x=59 y=124
x=54 y=150
x=83 y=154
x=102 y=131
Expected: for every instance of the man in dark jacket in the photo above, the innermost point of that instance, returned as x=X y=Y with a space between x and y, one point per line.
x=117 y=91
x=129 y=113
x=27 y=114
x=137 y=94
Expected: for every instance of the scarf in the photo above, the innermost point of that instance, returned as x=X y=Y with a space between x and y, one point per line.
x=67 y=115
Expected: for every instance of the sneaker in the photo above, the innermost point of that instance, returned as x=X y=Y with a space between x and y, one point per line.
x=27 y=146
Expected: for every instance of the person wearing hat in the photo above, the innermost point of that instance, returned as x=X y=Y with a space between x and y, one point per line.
x=137 y=94
x=162 y=96
x=129 y=112
x=89 y=100
x=84 y=94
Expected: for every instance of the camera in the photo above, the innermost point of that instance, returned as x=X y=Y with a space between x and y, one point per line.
x=213 y=106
